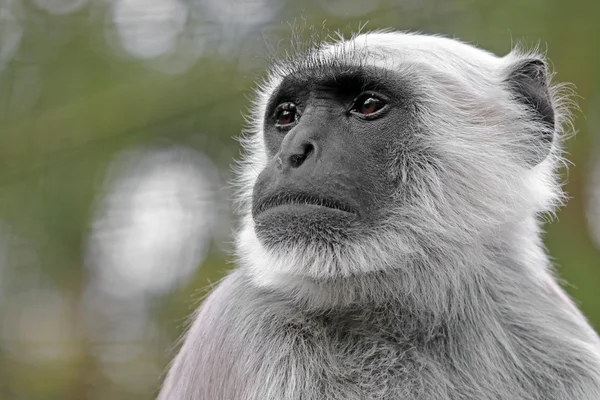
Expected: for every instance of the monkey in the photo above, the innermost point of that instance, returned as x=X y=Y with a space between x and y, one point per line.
x=392 y=192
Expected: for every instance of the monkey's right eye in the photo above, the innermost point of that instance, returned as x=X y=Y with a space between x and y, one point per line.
x=286 y=114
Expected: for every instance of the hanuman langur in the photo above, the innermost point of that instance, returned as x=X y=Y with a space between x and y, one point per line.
x=390 y=242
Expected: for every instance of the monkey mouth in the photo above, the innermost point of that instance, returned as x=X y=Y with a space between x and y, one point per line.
x=291 y=199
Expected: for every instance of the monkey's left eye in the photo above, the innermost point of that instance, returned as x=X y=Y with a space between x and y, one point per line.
x=286 y=114
x=368 y=104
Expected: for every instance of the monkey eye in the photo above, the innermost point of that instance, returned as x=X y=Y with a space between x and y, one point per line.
x=368 y=104
x=286 y=114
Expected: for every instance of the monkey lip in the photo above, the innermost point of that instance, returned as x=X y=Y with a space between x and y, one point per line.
x=302 y=200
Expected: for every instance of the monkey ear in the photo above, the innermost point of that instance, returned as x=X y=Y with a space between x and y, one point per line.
x=528 y=81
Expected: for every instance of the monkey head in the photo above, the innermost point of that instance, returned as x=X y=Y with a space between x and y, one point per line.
x=366 y=154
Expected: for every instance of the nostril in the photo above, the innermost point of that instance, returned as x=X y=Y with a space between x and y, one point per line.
x=309 y=149
x=296 y=160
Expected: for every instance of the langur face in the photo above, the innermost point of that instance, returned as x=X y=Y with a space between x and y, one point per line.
x=331 y=136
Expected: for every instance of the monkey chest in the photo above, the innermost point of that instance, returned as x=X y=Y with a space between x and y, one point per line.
x=318 y=364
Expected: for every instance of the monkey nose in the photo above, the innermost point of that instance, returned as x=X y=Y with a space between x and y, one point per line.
x=299 y=150
x=295 y=155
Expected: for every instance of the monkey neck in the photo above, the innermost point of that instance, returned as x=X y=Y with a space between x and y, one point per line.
x=445 y=285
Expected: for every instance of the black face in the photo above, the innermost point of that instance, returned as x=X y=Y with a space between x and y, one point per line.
x=332 y=135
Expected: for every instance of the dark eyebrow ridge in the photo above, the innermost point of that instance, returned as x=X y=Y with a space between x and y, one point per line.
x=350 y=78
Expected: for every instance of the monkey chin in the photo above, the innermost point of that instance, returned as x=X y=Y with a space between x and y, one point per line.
x=305 y=224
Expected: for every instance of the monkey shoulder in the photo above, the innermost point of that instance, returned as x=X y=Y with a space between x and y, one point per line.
x=240 y=345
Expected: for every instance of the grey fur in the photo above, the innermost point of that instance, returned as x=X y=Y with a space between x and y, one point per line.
x=453 y=299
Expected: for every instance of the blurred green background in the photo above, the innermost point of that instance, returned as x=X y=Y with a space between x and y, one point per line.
x=117 y=120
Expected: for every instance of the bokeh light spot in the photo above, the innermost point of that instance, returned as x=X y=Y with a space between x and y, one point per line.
x=149 y=28
x=156 y=221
